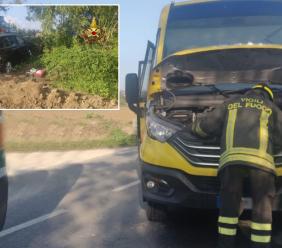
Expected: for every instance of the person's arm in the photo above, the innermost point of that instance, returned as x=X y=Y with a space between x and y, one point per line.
x=210 y=124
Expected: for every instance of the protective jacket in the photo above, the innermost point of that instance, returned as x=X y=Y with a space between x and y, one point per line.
x=250 y=130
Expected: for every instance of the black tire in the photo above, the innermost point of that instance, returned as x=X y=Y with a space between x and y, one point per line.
x=156 y=213
x=3 y=200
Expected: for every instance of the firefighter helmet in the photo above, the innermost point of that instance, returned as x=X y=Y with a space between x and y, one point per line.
x=266 y=88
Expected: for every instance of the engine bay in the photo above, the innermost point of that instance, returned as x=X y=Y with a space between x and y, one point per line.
x=184 y=109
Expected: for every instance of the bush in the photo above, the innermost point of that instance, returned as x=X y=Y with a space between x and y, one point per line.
x=120 y=138
x=87 y=68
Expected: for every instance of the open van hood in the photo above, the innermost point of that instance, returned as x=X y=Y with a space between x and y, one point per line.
x=222 y=65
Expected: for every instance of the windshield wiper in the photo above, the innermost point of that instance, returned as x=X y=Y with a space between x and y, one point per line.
x=219 y=91
x=226 y=92
x=273 y=33
x=215 y=89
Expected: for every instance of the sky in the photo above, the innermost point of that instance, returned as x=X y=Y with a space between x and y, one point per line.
x=138 y=24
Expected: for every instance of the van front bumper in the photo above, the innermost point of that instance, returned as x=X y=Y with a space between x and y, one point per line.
x=174 y=188
x=177 y=189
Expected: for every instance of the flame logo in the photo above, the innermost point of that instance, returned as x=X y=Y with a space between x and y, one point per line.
x=93 y=34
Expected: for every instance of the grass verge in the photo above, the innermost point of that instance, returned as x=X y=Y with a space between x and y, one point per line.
x=117 y=139
x=68 y=130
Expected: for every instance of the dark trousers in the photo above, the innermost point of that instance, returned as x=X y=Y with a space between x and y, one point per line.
x=263 y=190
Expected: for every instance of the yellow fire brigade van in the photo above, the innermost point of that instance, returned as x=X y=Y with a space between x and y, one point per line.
x=205 y=52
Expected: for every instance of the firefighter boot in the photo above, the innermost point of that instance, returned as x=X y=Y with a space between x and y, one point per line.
x=227 y=229
x=225 y=241
x=261 y=235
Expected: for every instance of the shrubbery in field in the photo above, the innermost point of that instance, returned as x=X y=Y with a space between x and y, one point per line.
x=71 y=63
x=92 y=69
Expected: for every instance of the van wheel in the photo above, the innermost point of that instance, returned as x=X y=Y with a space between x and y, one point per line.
x=156 y=213
x=8 y=67
x=3 y=200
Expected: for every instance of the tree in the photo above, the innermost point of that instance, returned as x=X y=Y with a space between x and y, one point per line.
x=62 y=24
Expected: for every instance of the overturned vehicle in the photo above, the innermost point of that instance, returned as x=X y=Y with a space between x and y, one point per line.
x=205 y=53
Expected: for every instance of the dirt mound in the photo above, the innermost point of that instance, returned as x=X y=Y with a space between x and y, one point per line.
x=22 y=92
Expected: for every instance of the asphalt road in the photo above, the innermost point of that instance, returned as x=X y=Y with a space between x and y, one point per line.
x=90 y=199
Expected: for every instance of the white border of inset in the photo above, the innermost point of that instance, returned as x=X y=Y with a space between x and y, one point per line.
x=75 y=4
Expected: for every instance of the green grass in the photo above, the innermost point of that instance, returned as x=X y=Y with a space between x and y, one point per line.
x=32 y=62
x=86 y=69
x=117 y=138
x=89 y=116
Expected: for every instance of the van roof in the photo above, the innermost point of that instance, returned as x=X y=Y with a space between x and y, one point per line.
x=193 y=2
x=204 y=1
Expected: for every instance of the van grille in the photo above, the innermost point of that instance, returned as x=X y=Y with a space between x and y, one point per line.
x=203 y=155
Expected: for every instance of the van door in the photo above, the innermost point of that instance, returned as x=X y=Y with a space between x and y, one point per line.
x=145 y=69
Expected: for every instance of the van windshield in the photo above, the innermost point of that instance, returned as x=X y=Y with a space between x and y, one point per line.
x=223 y=23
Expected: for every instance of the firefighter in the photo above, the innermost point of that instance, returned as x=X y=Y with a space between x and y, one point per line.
x=250 y=128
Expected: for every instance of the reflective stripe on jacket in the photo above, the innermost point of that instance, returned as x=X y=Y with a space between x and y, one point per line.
x=249 y=127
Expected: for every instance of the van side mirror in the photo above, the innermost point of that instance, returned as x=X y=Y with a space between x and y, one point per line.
x=132 y=91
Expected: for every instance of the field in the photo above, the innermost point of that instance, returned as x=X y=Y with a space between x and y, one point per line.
x=68 y=130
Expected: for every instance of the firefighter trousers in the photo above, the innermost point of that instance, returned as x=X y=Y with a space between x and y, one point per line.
x=262 y=191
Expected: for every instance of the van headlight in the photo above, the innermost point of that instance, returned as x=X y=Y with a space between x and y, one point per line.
x=159 y=129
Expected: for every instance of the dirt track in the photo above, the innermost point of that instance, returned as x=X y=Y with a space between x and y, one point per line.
x=25 y=92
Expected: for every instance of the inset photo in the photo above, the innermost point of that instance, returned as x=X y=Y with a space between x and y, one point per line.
x=59 y=56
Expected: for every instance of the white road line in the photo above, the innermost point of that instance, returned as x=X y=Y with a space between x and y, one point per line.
x=31 y=223
x=126 y=186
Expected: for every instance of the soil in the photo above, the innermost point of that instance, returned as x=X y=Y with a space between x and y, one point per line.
x=20 y=91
